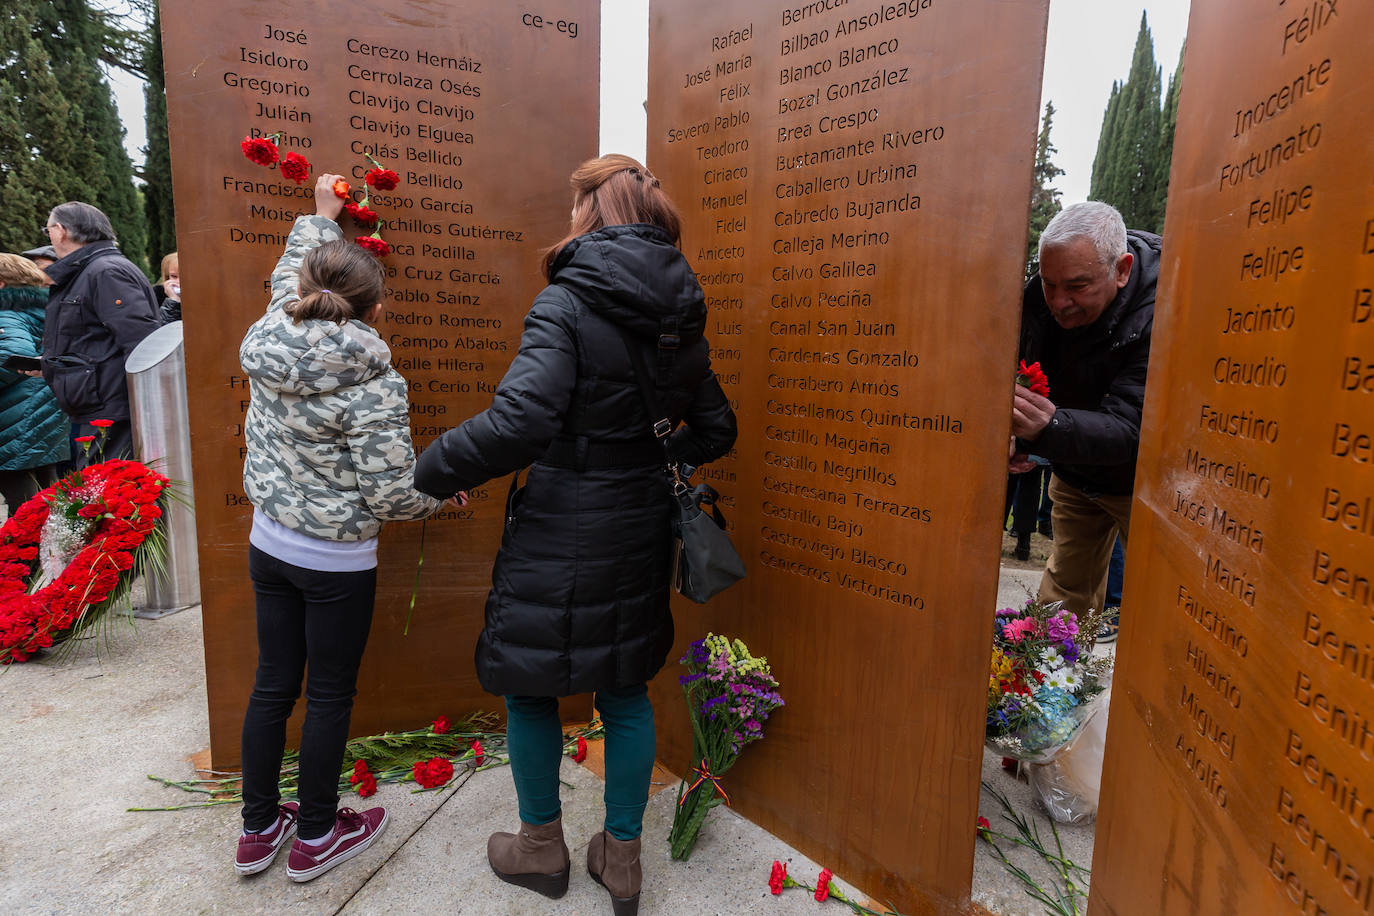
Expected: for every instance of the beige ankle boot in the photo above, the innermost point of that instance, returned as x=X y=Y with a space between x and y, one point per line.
x=535 y=858
x=614 y=864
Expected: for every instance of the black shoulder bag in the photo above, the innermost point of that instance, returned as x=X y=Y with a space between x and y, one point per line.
x=705 y=562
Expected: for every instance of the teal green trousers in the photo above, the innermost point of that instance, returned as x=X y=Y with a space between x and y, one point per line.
x=535 y=740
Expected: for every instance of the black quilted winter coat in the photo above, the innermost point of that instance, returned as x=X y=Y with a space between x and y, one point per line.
x=579 y=598
x=1097 y=378
x=99 y=308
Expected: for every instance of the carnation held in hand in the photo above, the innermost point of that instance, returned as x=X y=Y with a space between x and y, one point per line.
x=1033 y=377
x=729 y=694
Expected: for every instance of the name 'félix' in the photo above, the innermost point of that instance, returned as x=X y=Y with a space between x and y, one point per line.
x=1309 y=23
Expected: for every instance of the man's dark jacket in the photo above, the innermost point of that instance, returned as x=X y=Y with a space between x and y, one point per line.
x=100 y=307
x=579 y=597
x=1096 y=376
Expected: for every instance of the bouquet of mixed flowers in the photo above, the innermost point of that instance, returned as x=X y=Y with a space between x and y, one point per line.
x=1042 y=681
x=730 y=694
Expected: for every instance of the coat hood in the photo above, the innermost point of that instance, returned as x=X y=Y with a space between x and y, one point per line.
x=1128 y=315
x=24 y=298
x=312 y=357
x=635 y=277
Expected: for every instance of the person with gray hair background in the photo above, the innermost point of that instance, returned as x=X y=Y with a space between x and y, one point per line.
x=100 y=306
x=1086 y=318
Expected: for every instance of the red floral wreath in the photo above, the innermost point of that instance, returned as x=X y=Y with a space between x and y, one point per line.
x=125 y=512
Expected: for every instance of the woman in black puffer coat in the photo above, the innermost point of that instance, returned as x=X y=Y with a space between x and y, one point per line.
x=579 y=598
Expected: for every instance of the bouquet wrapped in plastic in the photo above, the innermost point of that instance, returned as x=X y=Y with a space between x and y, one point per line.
x=1043 y=687
x=730 y=694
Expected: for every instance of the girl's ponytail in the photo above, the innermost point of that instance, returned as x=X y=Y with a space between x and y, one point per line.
x=339 y=281
x=323 y=304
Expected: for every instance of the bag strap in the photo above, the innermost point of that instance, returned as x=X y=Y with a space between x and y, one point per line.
x=662 y=425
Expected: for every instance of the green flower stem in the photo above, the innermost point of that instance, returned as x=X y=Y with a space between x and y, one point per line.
x=415 y=590
x=391 y=757
x=838 y=896
x=1063 y=896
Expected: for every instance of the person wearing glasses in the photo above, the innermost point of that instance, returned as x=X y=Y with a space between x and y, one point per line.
x=100 y=306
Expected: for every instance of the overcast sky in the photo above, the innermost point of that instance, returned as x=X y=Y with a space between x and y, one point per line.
x=1089 y=46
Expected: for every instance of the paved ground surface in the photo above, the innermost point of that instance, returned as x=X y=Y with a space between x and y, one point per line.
x=81 y=738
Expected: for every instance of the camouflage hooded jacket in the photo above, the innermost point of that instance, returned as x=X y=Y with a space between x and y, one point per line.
x=328 y=427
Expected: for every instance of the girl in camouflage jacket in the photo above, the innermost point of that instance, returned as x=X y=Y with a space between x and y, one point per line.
x=329 y=459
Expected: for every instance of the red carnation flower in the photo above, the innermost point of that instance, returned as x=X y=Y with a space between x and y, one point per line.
x=984 y=825
x=432 y=773
x=1033 y=377
x=260 y=150
x=360 y=771
x=295 y=167
x=102 y=424
x=84 y=439
x=367 y=785
x=823 y=885
x=777 y=877
x=377 y=246
x=581 y=753
x=342 y=190
x=362 y=214
x=441 y=725
x=440 y=770
x=478 y=753
x=382 y=179
x=89 y=512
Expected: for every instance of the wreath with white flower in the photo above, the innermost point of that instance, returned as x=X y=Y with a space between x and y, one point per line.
x=72 y=552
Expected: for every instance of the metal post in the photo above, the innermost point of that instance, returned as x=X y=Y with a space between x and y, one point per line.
x=156 y=371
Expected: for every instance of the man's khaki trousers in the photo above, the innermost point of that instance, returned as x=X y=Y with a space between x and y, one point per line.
x=1085 y=528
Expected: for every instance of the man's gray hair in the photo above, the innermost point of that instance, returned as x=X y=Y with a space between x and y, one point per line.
x=1094 y=220
x=83 y=222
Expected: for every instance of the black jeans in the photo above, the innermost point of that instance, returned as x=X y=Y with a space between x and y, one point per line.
x=1031 y=500
x=303 y=616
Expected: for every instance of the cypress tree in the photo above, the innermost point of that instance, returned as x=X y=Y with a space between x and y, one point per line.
x=1044 y=198
x=1134 y=171
x=1168 y=123
x=1131 y=169
x=1105 y=141
x=41 y=136
x=157 y=170
x=72 y=34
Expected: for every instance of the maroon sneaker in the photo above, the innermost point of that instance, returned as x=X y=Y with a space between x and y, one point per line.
x=257 y=850
x=352 y=833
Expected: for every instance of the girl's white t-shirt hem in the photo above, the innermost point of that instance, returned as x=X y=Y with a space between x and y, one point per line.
x=291 y=546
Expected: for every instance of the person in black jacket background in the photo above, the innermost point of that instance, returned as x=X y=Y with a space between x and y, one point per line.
x=100 y=306
x=1086 y=318
x=579 y=598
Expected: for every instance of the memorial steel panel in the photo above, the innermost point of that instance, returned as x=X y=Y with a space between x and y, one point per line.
x=484 y=109
x=855 y=180
x=1238 y=776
